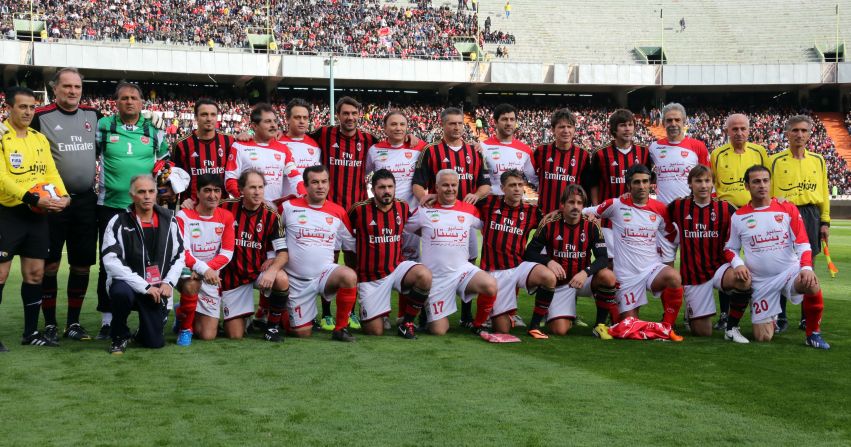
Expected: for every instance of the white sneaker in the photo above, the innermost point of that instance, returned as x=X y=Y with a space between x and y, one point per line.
x=387 y=326
x=735 y=335
x=518 y=321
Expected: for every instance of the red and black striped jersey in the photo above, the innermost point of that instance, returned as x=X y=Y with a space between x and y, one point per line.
x=258 y=236
x=345 y=158
x=703 y=231
x=505 y=231
x=609 y=166
x=378 y=236
x=569 y=245
x=466 y=161
x=556 y=168
x=198 y=157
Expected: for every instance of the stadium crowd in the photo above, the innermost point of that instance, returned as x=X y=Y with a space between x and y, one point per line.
x=533 y=125
x=365 y=28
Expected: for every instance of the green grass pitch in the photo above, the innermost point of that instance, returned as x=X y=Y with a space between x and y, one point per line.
x=453 y=390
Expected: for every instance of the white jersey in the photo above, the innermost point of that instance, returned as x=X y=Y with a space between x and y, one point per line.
x=672 y=162
x=500 y=157
x=399 y=160
x=639 y=234
x=773 y=238
x=305 y=151
x=312 y=233
x=274 y=160
x=445 y=234
x=208 y=241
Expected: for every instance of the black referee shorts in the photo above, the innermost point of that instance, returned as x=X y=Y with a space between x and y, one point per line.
x=812 y=221
x=76 y=226
x=23 y=233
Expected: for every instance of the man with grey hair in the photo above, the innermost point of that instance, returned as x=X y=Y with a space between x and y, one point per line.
x=128 y=144
x=473 y=182
x=729 y=163
x=674 y=156
x=446 y=231
x=70 y=128
x=800 y=176
x=142 y=254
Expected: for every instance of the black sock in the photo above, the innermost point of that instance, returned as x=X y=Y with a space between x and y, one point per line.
x=782 y=315
x=739 y=300
x=48 y=299
x=467 y=311
x=326 y=308
x=277 y=306
x=31 y=296
x=543 y=298
x=416 y=300
x=724 y=302
x=77 y=286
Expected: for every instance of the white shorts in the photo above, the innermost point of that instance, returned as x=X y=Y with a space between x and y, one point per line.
x=564 y=300
x=441 y=298
x=374 y=296
x=700 y=299
x=608 y=236
x=302 y=303
x=765 y=303
x=235 y=303
x=507 y=283
x=410 y=247
x=632 y=292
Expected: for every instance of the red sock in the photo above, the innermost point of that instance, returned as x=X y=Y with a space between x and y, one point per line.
x=484 y=306
x=403 y=305
x=188 y=303
x=345 y=303
x=285 y=321
x=813 y=307
x=262 y=307
x=672 y=300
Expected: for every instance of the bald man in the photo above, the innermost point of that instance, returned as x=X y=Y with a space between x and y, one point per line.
x=729 y=163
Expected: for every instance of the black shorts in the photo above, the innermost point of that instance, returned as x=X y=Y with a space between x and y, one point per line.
x=812 y=222
x=77 y=227
x=23 y=233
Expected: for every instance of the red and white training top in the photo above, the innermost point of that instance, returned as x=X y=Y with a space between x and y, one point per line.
x=401 y=161
x=312 y=233
x=773 y=237
x=500 y=157
x=672 y=162
x=208 y=241
x=273 y=159
x=445 y=235
x=305 y=151
x=643 y=235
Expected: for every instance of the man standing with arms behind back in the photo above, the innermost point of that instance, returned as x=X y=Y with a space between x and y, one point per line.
x=800 y=176
x=70 y=129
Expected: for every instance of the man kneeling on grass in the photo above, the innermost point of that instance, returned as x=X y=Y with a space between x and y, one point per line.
x=143 y=257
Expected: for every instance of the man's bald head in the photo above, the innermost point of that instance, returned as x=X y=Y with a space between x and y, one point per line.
x=737 y=127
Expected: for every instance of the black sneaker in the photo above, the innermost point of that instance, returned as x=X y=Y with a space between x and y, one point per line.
x=259 y=325
x=803 y=324
x=118 y=346
x=406 y=330
x=721 y=324
x=3 y=347
x=781 y=325
x=51 y=333
x=476 y=330
x=468 y=324
x=316 y=326
x=37 y=339
x=272 y=334
x=342 y=335
x=103 y=333
x=76 y=332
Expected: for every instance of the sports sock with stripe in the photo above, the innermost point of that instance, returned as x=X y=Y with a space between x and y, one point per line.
x=78 y=284
x=346 y=298
x=48 y=299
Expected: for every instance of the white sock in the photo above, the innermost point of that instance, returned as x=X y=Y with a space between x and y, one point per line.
x=105 y=318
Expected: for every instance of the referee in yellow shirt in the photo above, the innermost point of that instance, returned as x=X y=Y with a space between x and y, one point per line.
x=25 y=161
x=800 y=176
x=729 y=163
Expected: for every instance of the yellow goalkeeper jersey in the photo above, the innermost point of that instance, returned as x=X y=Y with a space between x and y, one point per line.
x=729 y=168
x=25 y=162
x=801 y=181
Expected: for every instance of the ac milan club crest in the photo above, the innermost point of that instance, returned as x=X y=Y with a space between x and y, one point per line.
x=398 y=220
x=259 y=227
x=572 y=162
x=582 y=237
x=359 y=147
x=522 y=215
x=221 y=152
x=469 y=160
x=88 y=126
